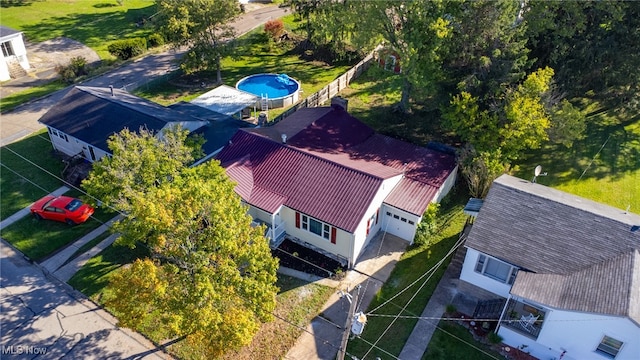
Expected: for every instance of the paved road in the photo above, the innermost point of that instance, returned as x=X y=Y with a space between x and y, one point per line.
x=24 y=120
x=42 y=317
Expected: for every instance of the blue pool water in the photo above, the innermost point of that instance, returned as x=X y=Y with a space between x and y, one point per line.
x=273 y=85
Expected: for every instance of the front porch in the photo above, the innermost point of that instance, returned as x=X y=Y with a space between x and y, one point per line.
x=526 y=319
x=276 y=235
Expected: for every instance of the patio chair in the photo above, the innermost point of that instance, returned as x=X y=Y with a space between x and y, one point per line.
x=527 y=321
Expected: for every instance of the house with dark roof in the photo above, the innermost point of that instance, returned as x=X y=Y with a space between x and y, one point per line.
x=567 y=270
x=84 y=119
x=324 y=179
x=14 y=62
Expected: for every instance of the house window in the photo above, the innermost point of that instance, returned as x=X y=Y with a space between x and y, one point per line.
x=609 y=347
x=317 y=227
x=496 y=269
x=411 y=222
x=7 y=49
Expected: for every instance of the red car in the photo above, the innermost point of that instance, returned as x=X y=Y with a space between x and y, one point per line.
x=61 y=208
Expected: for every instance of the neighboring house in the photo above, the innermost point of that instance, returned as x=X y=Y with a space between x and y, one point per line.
x=82 y=122
x=326 y=180
x=14 y=62
x=566 y=268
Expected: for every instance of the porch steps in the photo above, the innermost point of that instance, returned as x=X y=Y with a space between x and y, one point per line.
x=489 y=309
x=456 y=262
x=15 y=70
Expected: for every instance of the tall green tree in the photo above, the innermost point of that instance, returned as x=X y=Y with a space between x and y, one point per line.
x=593 y=45
x=202 y=26
x=417 y=30
x=210 y=277
x=487 y=51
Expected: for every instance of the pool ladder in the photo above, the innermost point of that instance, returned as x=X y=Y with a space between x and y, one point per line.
x=264 y=102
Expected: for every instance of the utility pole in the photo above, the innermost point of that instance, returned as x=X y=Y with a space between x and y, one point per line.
x=347 y=329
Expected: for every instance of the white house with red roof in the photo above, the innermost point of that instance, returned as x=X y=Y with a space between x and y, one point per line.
x=326 y=180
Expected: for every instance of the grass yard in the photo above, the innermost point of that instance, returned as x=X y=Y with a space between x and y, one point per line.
x=92 y=279
x=253 y=55
x=22 y=183
x=95 y=23
x=604 y=167
x=414 y=263
x=452 y=341
x=38 y=239
x=86 y=247
x=298 y=302
x=10 y=102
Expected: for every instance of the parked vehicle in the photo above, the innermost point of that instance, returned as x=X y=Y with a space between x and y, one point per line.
x=62 y=208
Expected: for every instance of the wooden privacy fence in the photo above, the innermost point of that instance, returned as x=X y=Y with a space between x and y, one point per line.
x=331 y=90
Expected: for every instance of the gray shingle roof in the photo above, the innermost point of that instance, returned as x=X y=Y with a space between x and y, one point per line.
x=564 y=239
x=7 y=31
x=611 y=287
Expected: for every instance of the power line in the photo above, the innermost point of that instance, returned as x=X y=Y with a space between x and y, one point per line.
x=431 y=272
x=433 y=268
x=485 y=320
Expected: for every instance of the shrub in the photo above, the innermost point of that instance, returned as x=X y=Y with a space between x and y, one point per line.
x=155 y=40
x=76 y=67
x=274 y=28
x=128 y=48
x=428 y=227
x=494 y=338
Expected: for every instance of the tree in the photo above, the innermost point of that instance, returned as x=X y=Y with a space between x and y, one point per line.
x=210 y=277
x=202 y=26
x=593 y=45
x=416 y=30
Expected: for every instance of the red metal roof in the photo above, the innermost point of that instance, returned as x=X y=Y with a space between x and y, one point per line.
x=411 y=196
x=322 y=189
x=332 y=168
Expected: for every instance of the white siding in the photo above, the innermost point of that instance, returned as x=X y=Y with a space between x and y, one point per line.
x=341 y=248
x=469 y=275
x=579 y=334
x=73 y=146
x=447 y=185
x=361 y=237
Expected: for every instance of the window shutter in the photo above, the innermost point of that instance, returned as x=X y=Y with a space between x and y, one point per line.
x=298 y=220
x=368 y=223
x=333 y=235
x=377 y=216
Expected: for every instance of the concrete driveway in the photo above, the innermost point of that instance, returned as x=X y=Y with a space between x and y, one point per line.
x=323 y=336
x=41 y=316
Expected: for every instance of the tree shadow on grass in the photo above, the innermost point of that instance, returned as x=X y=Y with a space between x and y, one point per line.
x=90 y=29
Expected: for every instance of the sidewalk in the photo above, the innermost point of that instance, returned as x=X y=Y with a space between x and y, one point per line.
x=53 y=263
x=323 y=336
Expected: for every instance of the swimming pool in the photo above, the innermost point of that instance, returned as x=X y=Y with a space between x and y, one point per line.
x=280 y=89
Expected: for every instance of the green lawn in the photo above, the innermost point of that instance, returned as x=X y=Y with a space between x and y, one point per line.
x=95 y=23
x=38 y=239
x=609 y=157
x=414 y=263
x=253 y=55
x=454 y=342
x=10 y=102
x=22 y=183
x=92 y=279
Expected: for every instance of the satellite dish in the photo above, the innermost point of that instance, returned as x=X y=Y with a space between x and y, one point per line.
x=537 y=172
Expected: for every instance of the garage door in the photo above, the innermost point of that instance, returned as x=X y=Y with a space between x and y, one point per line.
x=398 y=224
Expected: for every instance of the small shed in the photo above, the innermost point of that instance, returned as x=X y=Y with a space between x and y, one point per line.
x=389 y=60
x=229 y=101
x=14 y=62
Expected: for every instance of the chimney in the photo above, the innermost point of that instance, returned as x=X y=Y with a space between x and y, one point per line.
x=111 y=87
x=338 y=101
x=284 y=138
